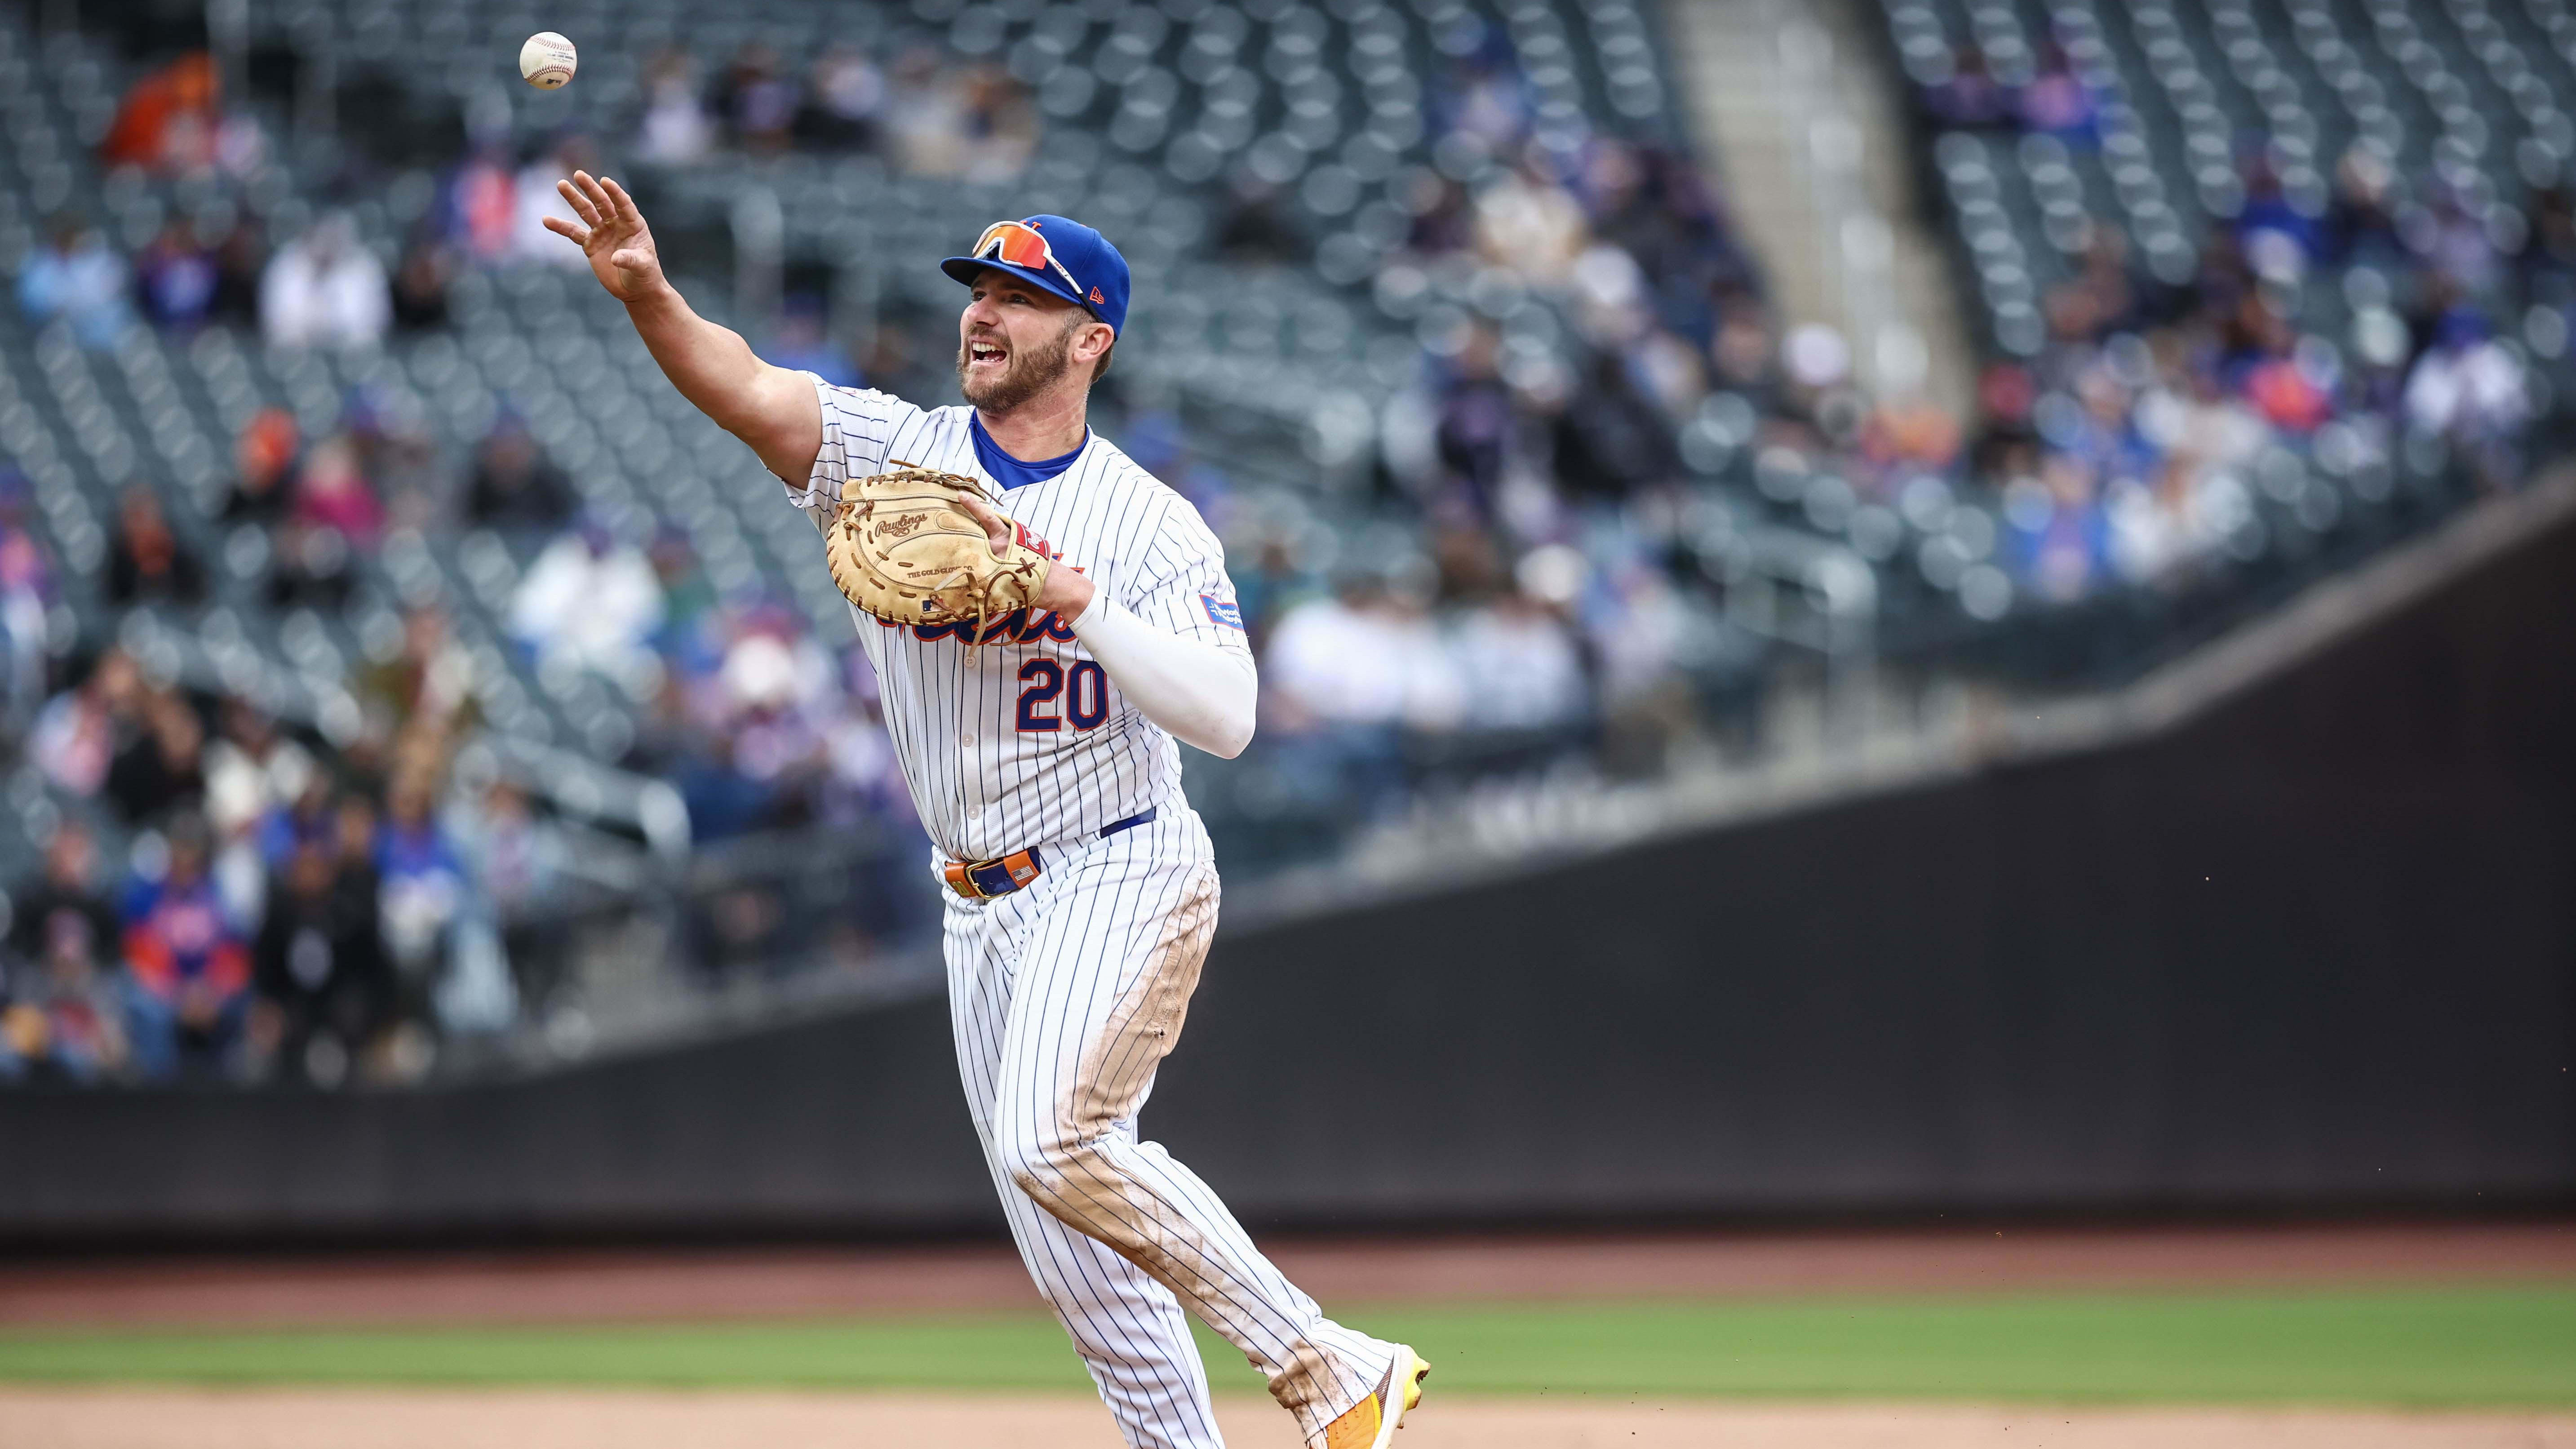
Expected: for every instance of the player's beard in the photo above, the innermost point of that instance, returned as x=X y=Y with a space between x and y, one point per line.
x=1029 y=372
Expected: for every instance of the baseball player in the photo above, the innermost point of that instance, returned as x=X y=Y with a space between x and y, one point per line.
x=1039 y=745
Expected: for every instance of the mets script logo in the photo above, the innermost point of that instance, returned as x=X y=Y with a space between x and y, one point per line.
x=1020 y=626
x=898 y=527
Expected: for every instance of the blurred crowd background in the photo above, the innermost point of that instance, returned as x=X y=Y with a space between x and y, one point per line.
x=399 y=679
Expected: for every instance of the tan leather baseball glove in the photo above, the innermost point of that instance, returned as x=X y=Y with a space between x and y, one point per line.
x=902 y=548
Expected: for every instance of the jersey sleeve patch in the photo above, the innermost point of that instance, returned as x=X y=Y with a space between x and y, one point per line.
x=1223 y=611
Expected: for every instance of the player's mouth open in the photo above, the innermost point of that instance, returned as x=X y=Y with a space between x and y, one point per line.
x=981 y=352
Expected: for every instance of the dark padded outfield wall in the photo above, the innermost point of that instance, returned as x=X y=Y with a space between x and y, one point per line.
x=2312 y=949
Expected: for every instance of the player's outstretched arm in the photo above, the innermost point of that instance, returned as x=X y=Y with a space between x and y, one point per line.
x=770 y=408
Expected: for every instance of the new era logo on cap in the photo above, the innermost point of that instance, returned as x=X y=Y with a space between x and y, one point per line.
x=1095 y=296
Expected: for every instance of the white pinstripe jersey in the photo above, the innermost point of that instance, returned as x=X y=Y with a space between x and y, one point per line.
x=1024 y=739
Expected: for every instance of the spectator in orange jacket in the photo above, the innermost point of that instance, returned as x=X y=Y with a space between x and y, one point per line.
x=169 y=120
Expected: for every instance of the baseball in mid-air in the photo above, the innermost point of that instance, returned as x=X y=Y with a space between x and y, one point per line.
x=548 y=61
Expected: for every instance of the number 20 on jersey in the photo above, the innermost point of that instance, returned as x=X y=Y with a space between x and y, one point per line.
x=1055 y=696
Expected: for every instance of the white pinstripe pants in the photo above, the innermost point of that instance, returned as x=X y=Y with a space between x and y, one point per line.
x=1065 y=998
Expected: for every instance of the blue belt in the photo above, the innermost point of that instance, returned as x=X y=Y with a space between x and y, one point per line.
x=981 y=880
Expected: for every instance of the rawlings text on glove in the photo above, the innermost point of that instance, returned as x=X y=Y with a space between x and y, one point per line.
x=903 y=549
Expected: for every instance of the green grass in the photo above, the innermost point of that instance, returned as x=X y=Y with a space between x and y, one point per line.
x=2481 y=1346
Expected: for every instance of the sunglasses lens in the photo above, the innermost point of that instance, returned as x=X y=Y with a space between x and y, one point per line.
x=1014 y=244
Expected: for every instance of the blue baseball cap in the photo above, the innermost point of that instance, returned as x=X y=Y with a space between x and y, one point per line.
x=1076 y=263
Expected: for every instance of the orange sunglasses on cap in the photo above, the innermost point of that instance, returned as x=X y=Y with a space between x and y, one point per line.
x=1020 y=244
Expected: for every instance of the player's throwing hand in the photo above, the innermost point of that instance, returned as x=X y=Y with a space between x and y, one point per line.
x=612 y=234
x=1064 y=592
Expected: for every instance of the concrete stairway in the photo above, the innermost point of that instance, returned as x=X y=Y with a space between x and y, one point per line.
x=1795 y=103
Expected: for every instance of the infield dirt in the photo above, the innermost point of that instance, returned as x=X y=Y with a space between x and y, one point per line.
x=339 y=1419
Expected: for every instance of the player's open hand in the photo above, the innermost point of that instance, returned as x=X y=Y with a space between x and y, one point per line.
x=612 y=234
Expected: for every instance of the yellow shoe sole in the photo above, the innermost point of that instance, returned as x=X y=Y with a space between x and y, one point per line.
x=1371 y=1423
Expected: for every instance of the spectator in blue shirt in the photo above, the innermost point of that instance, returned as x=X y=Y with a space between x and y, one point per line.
x=78 y=278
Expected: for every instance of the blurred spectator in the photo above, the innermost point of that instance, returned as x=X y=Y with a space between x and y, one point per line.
x=1274 y=584
x=2469 y=388
x=1526 y=671
x=65 y=895
x=926 y=112
x=866 y=780
x=842 y=101
x=177 y=274
x=2450 y=237
x=483 y=202
x=688 y=595
x=253 y=771
x=309 y=567
x=1479 y=423
x=263 y=456
x=333 y=493
x=162 y=768
x=310 y=816
x=2550 y=255
x=590 y=599
x=801 y=344
x=169 y=121
x=1000 y=126
x=1345 y=676
x=2062 y=537
x=757 y=99
x=1258 y=226
x=1910 y=433
x=421 y=882
x=516 y=487
x=80 y=730
x=2280 y=238
x=1969 y=98
x=398 y=456
x=27 y=599
x=428 y=684
x=420 y=286
x=68 y=1022
x=190 y=972
x=1529 y=223
x=2292 y=386
x=1609 y=439
x=517 y=857
x=1442 y=222
x=76 y=277
x=241 y=261
x=2056 y=101
x=146 y=562
x=1487 y=101
x=675 y=130
x=1634 y=624
x=324 y=289
x=537 y=199
x=2361 y=220
x=327 y=990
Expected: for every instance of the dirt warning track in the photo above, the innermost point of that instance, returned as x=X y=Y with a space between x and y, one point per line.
x=619 y=1286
